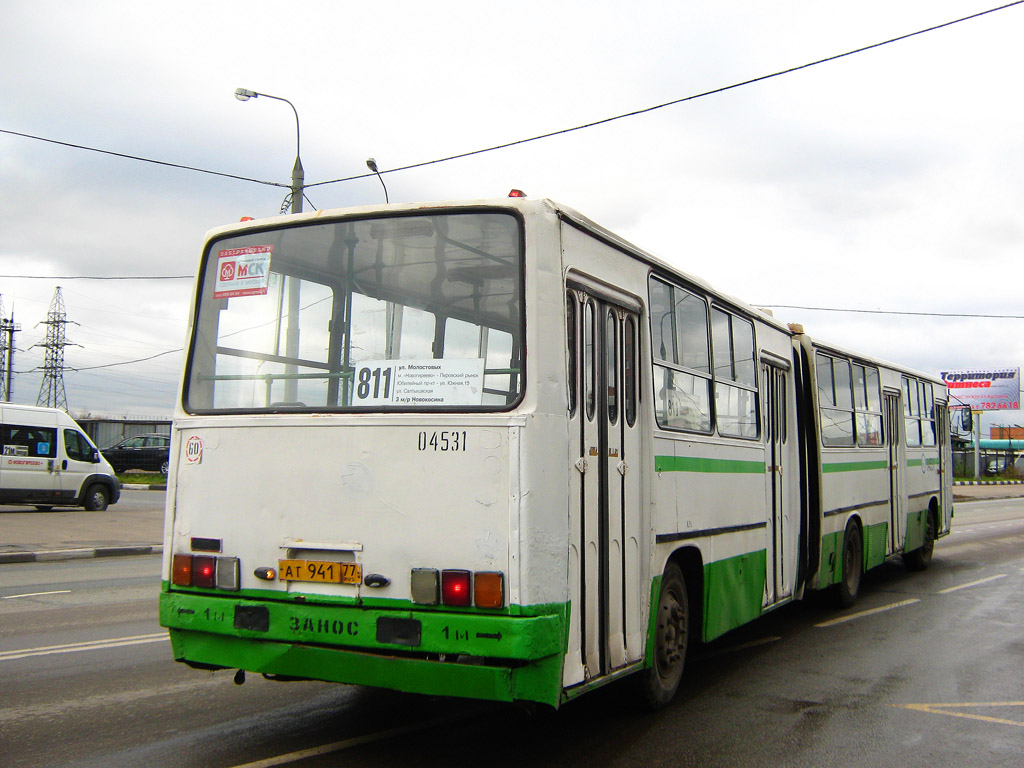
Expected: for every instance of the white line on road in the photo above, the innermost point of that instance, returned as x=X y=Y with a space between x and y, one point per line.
x=871 y=612
x=356 y=741
x=38 y=594
x=971 y=584
x=92 y=645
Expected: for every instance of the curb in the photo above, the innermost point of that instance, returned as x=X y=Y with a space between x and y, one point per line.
x=49 y=555
x=988 y=482
x=144 y=486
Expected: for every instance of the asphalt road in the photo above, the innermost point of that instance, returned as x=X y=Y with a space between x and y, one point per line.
x=924 y=671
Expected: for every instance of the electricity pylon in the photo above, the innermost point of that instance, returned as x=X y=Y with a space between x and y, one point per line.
x=51 y=391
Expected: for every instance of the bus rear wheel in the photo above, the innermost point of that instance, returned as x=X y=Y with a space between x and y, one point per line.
x=920 y=558
x=853 y=566
x=658 y=684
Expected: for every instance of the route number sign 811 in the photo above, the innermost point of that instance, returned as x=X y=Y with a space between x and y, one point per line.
x=375 y=384
x=419 y=383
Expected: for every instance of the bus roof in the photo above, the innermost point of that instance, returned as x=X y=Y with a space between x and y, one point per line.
x=540 y=206
x=526 y=206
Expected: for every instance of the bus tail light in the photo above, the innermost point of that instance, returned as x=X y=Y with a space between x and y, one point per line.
x=228 y=569
x=458 y=588
x=205 y=571
x=181 y=575
x=488 y=590
x=455 y=588
x=424 y=586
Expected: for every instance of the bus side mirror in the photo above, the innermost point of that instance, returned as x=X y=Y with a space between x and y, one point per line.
x=95 y=457
x=967 y=419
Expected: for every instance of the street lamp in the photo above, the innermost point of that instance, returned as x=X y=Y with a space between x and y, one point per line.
x=372 y=165
x=291 y=384
x=298 y=176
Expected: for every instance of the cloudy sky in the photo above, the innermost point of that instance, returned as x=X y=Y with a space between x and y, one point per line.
x=885 y=181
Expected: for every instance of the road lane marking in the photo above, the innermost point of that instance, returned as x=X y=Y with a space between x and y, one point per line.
x=870 y=612
x=946 y=709
x=92 y=645
x=355 y=741
x=971 y=584
x=38 y=594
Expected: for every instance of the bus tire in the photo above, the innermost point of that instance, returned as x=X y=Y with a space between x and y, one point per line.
x=920 y=558
x=96 y=498
x=658 y=683
x=853 y=566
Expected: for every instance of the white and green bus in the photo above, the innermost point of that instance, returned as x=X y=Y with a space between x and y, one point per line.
x=489 y=449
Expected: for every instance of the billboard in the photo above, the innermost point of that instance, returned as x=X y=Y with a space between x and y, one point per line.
x=984 y=389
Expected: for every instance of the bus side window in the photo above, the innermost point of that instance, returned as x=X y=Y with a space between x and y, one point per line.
x=911 y=412
x=589 y=367
x=570 y=326
x=835 y=401
x=629 y=369
x=611 y=347
x=732 y=344
x=681 y=368
x=867 y=404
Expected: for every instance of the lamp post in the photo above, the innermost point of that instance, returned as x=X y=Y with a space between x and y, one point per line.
x=291 y=384
x=298 y=176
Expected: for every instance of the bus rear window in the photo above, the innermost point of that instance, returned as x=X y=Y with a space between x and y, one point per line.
x=407 y=313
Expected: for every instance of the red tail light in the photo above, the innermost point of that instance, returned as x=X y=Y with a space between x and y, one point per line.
x=206 y=572
x=203 y=571
x=455 y=588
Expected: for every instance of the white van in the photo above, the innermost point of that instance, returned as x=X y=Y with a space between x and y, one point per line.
x=46 y=460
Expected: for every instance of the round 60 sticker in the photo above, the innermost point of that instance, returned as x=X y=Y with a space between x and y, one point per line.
x=194 y=450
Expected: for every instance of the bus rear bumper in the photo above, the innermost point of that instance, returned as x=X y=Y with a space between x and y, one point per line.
x=497 y=658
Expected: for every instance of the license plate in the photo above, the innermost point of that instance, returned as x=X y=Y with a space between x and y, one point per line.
x=319 y=570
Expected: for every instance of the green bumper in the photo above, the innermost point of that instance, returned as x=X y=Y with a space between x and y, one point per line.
x=501 y=658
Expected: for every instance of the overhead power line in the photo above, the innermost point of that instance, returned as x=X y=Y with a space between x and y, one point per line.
x=146 y=159
x=102 y=277
x=128 y=362
x=551 y=134
x=107 y=365
x=645 y=110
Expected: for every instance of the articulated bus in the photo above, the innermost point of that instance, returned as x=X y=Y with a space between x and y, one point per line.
x=490 y=449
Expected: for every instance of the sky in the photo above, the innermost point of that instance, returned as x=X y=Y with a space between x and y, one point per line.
x=874 y=198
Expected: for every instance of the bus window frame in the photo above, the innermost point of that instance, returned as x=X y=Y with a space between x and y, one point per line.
x=670 y=367
x=208 y=264
x=732 y=382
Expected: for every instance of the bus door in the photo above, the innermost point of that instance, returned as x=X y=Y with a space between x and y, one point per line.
x=777 y=585
x=893 y=418
x=604 y=516
x=945 y=481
